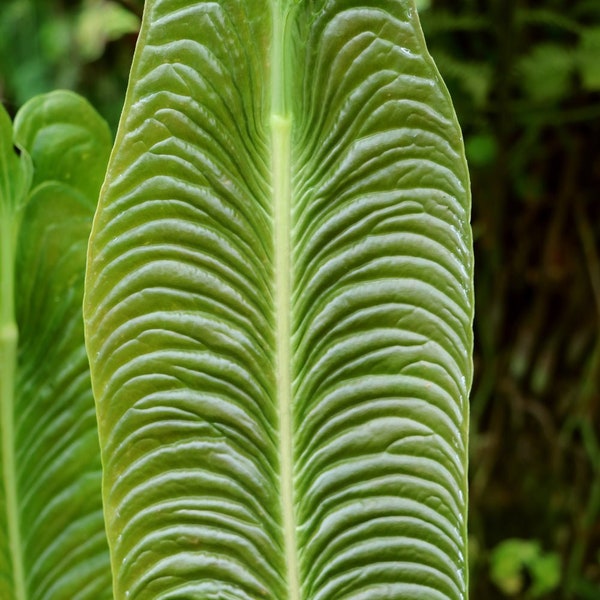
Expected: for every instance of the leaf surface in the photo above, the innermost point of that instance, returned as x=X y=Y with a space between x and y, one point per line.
x=54 y=544
x=278 y=308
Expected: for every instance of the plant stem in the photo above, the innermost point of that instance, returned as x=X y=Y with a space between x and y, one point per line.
x=8 y=364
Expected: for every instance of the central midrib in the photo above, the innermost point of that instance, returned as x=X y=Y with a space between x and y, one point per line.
x=281 y=123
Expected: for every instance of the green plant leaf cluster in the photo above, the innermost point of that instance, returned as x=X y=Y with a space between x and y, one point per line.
x=52 y=530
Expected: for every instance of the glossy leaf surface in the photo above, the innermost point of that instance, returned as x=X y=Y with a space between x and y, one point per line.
x=278 y=308
x=53 y=540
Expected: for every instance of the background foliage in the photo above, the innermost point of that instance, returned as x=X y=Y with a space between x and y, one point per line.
x=525 y=78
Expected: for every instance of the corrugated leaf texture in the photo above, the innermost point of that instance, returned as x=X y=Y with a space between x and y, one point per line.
x=279 y=308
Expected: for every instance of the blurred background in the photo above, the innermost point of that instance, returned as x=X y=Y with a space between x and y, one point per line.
x=525 y=79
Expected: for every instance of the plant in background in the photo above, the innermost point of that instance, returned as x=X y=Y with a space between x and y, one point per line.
x=278 y=308
x=100 y=22
x=52 y=540
x=524 y=76
x=513 y=561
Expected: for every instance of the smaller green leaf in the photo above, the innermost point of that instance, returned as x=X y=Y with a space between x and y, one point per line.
x=67 y=140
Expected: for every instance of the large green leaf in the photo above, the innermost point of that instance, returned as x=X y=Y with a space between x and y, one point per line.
x=53 y=544
x=278 y=308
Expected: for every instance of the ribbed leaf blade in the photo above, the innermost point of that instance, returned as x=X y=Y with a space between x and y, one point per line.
x=381 y=310
x=55 y=545
x=15 y=179
x=278 y=308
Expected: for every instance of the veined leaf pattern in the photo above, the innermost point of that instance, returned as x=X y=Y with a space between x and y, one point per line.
x=279 y=308
x=54 y=545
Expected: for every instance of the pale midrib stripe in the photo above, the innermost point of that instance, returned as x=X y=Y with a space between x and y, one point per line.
x=281 y=180
x=8 y=365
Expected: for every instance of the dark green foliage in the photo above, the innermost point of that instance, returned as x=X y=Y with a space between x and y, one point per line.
x=525 y=79
x=82 y=45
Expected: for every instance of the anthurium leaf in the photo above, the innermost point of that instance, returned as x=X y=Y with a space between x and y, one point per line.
x=546 y=72
x=55 y=545
x=278 y=308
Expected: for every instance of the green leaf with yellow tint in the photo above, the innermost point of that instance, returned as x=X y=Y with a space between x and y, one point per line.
x=278 y=308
